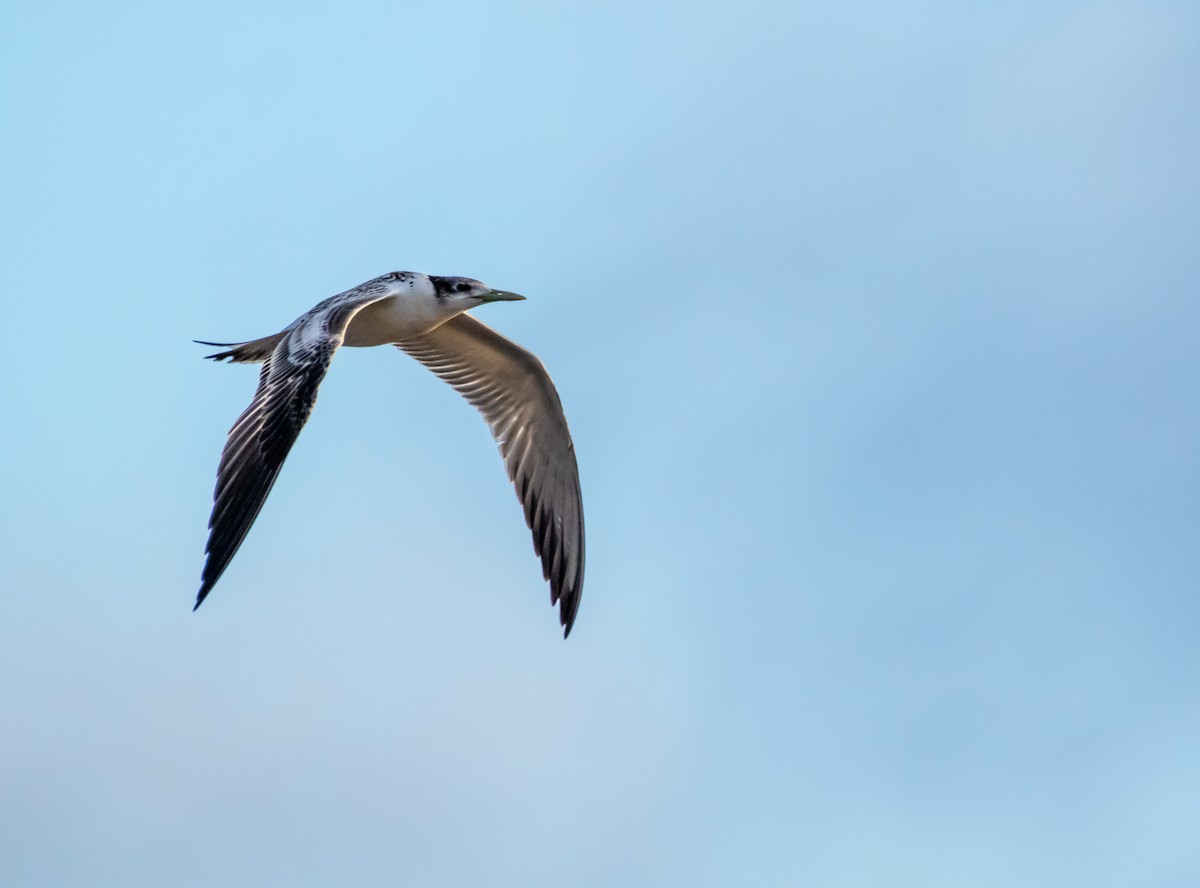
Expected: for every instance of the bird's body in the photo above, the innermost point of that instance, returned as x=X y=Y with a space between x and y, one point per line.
x=424 y=316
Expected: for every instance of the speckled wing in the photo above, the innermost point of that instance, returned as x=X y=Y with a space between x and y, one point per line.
x=512 y=390
x=263 y=435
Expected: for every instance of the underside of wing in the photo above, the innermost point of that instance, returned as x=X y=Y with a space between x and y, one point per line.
x=512 y=390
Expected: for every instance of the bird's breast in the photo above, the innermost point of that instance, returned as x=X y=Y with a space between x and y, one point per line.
x=394 y=319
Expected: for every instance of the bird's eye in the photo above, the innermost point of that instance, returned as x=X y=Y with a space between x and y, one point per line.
x=462 y=288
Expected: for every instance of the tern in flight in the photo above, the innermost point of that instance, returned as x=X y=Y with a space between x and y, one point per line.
x=425 y=316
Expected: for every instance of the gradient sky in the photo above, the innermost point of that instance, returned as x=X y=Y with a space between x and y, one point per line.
x=876 y=326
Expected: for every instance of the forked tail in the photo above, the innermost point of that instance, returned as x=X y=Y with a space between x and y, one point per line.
x=253 y=352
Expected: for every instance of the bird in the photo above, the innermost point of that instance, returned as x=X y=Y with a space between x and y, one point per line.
x=426 y=317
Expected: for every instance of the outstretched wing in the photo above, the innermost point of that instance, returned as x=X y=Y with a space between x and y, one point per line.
x=263 y=435
x=512 y=390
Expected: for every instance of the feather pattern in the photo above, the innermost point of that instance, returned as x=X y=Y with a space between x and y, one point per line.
x=513 y=391
x=263 y=435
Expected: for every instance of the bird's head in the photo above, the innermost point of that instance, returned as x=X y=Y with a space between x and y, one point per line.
x=464 y=293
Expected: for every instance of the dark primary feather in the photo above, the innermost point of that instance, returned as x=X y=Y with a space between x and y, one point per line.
x=263 y=435
x=512 y=390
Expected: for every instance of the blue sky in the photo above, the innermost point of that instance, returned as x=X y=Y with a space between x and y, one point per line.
x=876 y=329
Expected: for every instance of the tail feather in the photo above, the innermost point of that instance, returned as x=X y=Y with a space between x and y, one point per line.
x=253 y=352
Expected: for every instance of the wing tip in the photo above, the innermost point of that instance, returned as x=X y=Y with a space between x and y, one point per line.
x=568 y=607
